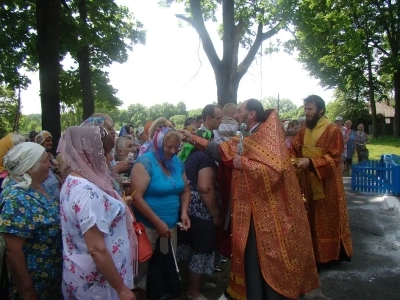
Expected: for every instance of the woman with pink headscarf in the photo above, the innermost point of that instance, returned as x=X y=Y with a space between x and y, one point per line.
x=99 y=244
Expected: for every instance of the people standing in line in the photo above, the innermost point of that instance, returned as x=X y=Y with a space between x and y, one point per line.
x=272 y=255
x=361 y=141
x=30 y=225
x=197 y=245
x=318 y=148
x=351 y=146
x=161 y=192
x=99 y=242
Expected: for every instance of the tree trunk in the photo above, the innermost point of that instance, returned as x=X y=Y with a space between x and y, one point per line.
x=371 y=93
x=48 y=31
x=227 y=89
x=85 y=78
x=85 y=73
x=396 y=126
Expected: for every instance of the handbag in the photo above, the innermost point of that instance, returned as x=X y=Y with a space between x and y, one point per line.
x=163 y=280
x=145 y=250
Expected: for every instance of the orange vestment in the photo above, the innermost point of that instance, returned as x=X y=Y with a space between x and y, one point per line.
x=267 y=189
x=329 y=222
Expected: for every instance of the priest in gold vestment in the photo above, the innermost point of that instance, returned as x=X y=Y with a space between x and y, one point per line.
x=318 y=147
x=272 y=256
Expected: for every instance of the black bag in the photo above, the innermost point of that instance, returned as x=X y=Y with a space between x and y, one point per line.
x=4 y=282
x=163 y=280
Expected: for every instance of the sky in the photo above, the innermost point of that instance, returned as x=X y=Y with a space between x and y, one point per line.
x=172 y=67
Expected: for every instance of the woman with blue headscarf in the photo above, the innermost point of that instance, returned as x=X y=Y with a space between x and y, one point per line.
x=161 y=191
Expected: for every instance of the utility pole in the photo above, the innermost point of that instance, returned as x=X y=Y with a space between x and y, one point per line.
x=277 y=109
x=17 y=113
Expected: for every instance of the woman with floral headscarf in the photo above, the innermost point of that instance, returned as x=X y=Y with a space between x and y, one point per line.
x=6 y=143
x=30 y=224
x=161 y=191
x=99 y=244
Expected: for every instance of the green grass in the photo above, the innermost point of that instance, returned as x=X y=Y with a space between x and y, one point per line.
x=383 y=145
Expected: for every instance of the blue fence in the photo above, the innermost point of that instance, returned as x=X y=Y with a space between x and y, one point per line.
x=377 y=176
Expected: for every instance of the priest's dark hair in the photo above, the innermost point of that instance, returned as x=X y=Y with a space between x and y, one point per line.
x=319 y=102
x=254 y=104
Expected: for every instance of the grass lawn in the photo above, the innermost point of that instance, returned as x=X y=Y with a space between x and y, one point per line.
x=383 y=145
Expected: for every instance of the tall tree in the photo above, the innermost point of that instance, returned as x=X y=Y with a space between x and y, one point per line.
x=96 y=34
x=244 y=23
x=388 y=43
x=48 y=49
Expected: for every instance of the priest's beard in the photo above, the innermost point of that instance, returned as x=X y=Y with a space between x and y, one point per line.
x=313 y=122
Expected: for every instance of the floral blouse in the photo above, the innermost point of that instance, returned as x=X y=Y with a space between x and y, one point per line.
x=84 y=205
x=31 y=216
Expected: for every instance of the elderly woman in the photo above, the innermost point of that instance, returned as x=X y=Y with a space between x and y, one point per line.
x=161 y=190
x=30 y=224
x=361 y=141
x=99 y=244
x=152 y=127
x=197 y=245
x=6 y=143
x=125 y=148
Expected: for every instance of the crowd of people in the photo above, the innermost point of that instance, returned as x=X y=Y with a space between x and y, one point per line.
x=235 y=182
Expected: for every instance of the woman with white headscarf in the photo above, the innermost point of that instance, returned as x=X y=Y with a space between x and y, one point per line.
x=98 y=237
x=30 y=224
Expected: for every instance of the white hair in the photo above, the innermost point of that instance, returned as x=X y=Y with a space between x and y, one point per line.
x=121 y=144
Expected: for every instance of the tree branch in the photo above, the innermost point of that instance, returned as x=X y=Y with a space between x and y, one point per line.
x=208 y=46
x=380 y=48
x=260 y=37
x=186 y=19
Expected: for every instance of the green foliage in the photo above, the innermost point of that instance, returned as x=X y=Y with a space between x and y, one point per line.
x=194 y=113
x=71 y=91
x=178 y=120
x=287 y=109
x=349 y=109
x=111 y=31
x=29 y=123
x=8 y=110
x=16 y=44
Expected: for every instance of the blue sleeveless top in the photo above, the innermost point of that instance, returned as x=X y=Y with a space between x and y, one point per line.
x=162 y=194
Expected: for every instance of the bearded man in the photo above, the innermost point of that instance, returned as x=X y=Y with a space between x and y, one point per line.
x=319 y=147
x=272 y=255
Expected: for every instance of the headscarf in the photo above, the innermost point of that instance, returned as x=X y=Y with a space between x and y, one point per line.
x=156 y=145
x=42 y=136
x=188 y=148
x=91 y=121
x=124 y=130
x=94 y=121
x=19 y=160
x=83 y=151
x=6 y=144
